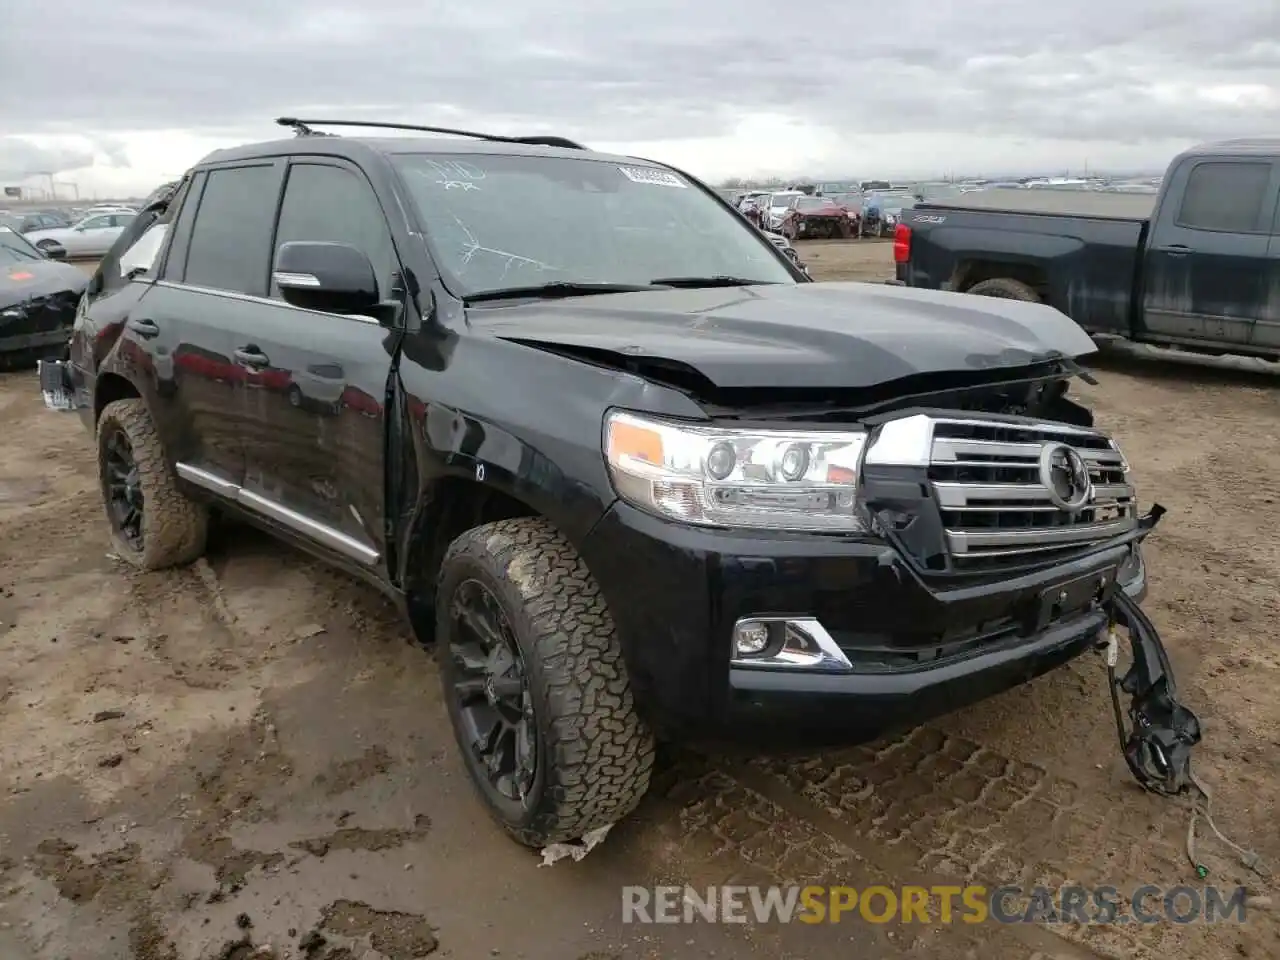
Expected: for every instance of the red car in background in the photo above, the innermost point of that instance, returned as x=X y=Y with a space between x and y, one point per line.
x=817 y=217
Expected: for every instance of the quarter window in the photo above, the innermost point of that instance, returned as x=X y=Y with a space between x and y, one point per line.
x=328 y=204
x=230 y=246
x=1227 y=197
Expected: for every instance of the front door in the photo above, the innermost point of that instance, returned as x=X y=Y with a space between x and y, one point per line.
x=316 y=382
x=1206 y=268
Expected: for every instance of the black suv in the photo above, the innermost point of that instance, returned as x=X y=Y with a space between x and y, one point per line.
x=631 y=471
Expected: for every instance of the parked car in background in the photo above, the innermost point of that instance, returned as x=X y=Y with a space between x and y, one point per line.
x=29 y=220
x=91 y=237
x=38 y=298
x=775 y=208
x=1194 y=268
x=812 y=217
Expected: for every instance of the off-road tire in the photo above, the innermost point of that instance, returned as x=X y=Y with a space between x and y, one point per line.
x=174 y=527
x=1005 y=289
x=595 y=754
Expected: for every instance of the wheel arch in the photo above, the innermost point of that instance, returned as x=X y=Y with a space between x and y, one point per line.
x=110 y=388
x=452 y=506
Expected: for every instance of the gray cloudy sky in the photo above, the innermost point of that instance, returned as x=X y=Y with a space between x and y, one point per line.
x=143 y=87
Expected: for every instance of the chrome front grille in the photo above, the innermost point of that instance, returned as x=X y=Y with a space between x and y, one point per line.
x=996 y=511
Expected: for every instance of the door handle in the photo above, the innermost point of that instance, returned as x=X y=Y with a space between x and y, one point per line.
x=146 y=329
x=251 y=356
x=1176 y=250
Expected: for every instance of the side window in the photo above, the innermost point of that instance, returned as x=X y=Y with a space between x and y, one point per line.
x=97 y=223
x=230 y=246
x=330 y=204
x=1226 y=197
x=181 y=212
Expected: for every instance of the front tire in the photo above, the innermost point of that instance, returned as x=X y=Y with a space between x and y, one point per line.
x=153 y=524
x=537 y=690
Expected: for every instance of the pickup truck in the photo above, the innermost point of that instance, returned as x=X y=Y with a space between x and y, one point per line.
x=1196 y=268
x=634 y=477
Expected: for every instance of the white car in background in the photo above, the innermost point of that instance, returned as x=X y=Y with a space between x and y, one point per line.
x=91 y=237
x=775 y=208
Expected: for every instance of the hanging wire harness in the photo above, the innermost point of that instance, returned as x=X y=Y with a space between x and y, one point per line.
x=1158 y=739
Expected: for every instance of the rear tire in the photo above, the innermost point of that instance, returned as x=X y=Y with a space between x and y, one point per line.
x=170 y=529
x=593 y=755
x=1005 y=289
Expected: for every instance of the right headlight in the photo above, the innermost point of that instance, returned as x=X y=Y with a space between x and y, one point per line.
x=799 y=480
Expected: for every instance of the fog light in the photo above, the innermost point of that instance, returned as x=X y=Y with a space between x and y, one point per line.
x=750 y=639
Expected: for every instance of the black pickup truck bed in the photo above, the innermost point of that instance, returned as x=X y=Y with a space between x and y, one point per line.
x=1193 y=267
x=1071 y=203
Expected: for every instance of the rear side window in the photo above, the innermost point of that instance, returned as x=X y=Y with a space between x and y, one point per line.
x=1227 y=197
x=325 y=203
x=230 y=246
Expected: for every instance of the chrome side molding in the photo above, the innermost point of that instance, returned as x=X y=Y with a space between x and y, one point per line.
x=311 y=529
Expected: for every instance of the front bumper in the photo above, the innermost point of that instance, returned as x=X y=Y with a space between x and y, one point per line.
x=17 y=343
x=914 y=650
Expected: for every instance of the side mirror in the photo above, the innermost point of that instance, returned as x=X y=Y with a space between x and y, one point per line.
x=329 y=277
x=54 y=251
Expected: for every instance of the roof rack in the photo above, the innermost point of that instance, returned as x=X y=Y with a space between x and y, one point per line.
x=303 y=128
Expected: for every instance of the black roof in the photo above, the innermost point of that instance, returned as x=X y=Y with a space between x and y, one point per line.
x=309 y=141
x=353 y=147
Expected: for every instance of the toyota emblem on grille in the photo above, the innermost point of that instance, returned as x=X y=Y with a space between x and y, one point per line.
x=1065 y=476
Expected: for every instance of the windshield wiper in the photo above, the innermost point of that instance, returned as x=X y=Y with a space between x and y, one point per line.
x=559 y=289
x=716 y=281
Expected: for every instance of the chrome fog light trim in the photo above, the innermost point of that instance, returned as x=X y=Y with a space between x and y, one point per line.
x=789 y=643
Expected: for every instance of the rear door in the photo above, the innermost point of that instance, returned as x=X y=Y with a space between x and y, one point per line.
x=315 y=396
x=1207 y=260
x=213 y=282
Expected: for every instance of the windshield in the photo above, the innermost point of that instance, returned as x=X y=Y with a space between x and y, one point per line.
x=497 y=221
x=815 y=203
x=14 y=249
x=783 y=199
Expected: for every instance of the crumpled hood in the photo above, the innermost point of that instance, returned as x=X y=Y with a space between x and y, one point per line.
x=816 y=335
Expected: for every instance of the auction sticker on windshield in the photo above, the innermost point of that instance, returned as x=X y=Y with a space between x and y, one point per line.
x=661 y=178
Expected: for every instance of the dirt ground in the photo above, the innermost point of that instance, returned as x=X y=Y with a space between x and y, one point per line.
x=246 y=758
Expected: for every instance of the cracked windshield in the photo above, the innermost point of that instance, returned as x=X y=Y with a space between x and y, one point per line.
x=500 y=221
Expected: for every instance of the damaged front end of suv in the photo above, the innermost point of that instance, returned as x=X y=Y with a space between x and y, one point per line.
x=873 y=554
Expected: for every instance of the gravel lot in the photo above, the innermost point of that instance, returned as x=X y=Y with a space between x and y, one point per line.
x=252 y=741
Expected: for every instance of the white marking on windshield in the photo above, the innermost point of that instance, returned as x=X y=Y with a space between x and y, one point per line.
x=653 y=176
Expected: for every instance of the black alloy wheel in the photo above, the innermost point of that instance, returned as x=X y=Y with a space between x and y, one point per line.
x=489 y=682
x=123 y=488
